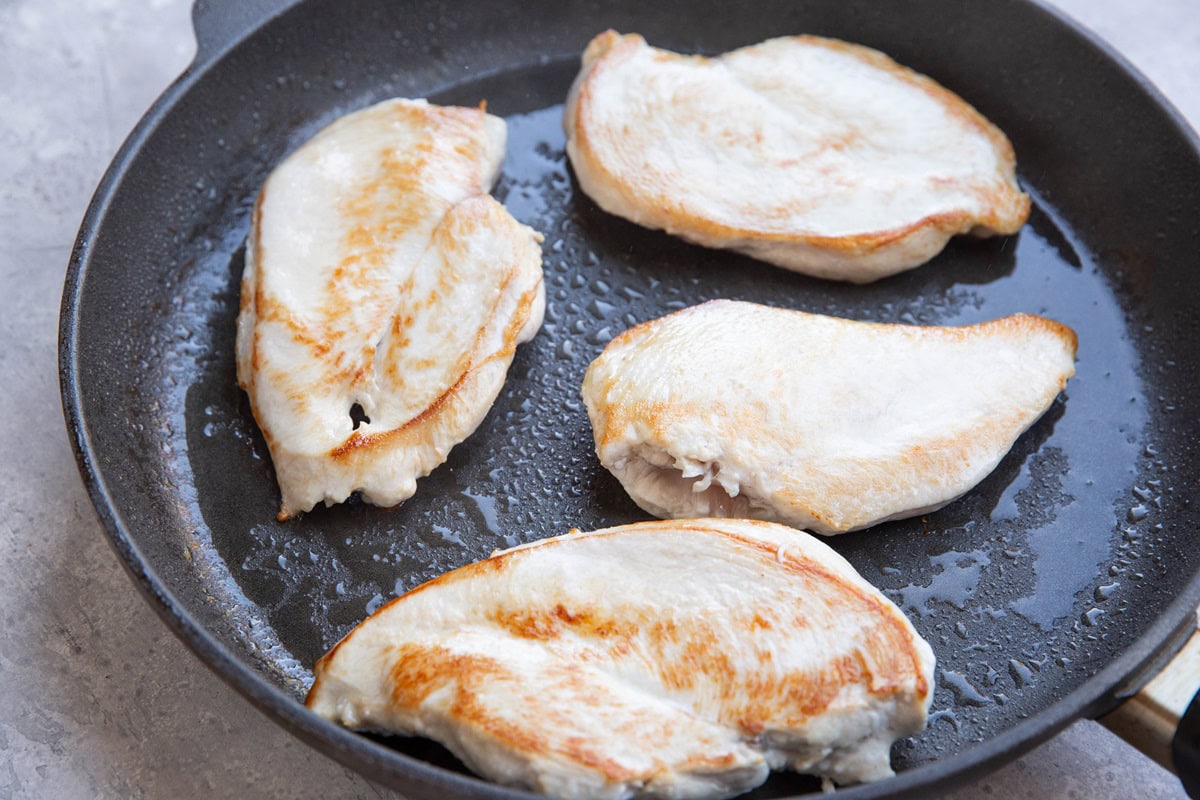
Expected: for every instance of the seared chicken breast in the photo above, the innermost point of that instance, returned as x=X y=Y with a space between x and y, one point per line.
x=812 y=154
x=379 y=274
x=734 y=409
x=663 y=659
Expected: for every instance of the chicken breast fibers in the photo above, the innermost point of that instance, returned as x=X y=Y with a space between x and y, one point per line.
x=740 y=410
x=666 y=659
x=380 y=274
x=812 y=154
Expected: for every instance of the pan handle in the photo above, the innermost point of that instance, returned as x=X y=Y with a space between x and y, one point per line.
x=1163 y=718
x=220 y=23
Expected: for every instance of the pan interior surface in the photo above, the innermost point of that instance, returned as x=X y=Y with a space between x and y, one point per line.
x=1025 y=588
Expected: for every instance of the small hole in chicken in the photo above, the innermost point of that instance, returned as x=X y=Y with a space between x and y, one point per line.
x=358 y=416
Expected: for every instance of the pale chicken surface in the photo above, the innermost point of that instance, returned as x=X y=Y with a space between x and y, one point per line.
x=379 y=273
x=741 y=410
x=813 y=154
x=679 y=659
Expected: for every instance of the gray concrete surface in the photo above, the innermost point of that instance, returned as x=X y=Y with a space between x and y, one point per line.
x=97 y=699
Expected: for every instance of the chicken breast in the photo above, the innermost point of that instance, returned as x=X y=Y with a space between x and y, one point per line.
x=663 y=659
x=816 y=155
x=379 y=274
x=734 y=409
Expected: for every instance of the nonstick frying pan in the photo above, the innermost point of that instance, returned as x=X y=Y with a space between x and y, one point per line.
x=1049 y=592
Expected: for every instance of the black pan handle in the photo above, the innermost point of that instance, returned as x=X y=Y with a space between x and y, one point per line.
x=1185 y=748
x=220 y=23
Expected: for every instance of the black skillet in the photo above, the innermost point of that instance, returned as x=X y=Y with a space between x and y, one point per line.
x=1049 y=593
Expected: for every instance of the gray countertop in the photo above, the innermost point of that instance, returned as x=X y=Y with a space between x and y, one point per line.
x=97 y=698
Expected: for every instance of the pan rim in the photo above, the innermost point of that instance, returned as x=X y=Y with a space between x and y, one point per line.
x=1121 y=677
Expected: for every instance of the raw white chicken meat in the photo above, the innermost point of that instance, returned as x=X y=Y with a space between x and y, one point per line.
x=380 y=274
x=663 y=659
x=813 y=154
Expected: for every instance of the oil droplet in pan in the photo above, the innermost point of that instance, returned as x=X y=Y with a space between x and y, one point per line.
x=964 y=693
x=1021 y=673
x=955 y=581
x=374 y=603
